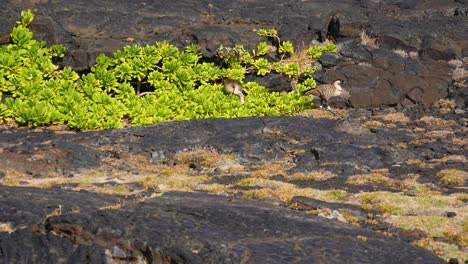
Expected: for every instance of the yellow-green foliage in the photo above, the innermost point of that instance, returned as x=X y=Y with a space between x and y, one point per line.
x=177 y=85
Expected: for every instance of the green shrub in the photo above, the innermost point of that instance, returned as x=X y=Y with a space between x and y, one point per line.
x=140 y=84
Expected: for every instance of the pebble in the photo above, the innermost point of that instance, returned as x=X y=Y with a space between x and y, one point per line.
x=451 y=214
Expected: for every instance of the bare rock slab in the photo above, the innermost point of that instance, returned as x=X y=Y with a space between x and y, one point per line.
x=185 y=228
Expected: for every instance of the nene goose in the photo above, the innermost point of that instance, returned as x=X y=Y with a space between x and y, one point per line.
x=234 y=86
x=327 y=91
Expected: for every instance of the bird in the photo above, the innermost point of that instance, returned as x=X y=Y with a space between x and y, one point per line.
x=234 y=87
x=328 y=91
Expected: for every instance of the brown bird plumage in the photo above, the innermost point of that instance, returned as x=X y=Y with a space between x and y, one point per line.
x=234 y=86
x=327 y=91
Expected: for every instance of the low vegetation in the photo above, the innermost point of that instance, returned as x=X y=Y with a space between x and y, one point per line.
x=142 y=85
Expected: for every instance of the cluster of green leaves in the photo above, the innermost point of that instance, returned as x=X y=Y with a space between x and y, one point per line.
x=177 y=84
x=29 y=76
x=294 y=65
x=317 y=51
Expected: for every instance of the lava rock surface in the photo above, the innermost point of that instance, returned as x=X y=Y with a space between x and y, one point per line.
x=60 y=224
x=180 y=228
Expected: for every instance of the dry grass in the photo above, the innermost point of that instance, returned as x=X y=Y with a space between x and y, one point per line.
x=419 y=163
x=442 y=249
x=395 y=118
x=414 y=162
x=376 y=177
x=422 y=141
x=400 y=204
x=453 y=177
x=324 y=114
x=13 y=177
x=115 y=206
x=368 y=40
x=459 y=141
x=271 y=189
x=432 y=225
x=445 y=105
x=439 y=134
x=301 y=57
x=6 y=227
x=418 y=206
x=321 y=175
x=419 y=130
x=206 y=158
x=462 y=197
x=272 y=168
x=435 y=122
x=451 y=230
x=450 y=158
x=374 y=123
x=427 y=212
x=335 y=195
x=219 y=189
x=460 y=74
x=363 y=238
x=249 y=182
x=121 y=189
x=175 y=182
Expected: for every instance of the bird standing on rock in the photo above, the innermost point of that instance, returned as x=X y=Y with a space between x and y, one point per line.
x=234 y=86
x=327 y=91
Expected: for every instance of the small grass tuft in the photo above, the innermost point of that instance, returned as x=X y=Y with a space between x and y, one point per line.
x=368 y=40
x=250 y=182
x=336 y=195
x=363 y=238
x=6 y=227
x=435 y=122
x=348 y=216
x=396 y=118
x=379 y=176
x=321 y=175
x=452 y=177
x=374 y=123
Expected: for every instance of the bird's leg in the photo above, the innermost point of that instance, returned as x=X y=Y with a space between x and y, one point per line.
x=242 y=100
x=239 y=93
x=321 y=104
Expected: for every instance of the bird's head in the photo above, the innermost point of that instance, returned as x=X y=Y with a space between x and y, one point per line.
x=337 y=84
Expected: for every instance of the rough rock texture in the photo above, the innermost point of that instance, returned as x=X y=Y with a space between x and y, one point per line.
x=180 y=228
x=414 y=39
x=340 y=145
x=147 y=225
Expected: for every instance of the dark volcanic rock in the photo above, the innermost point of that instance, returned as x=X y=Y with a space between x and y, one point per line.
x=202 y=228
x=25 y=246
x=389 y=79
x=188 y=228
x=345 y=143
x=427 y=31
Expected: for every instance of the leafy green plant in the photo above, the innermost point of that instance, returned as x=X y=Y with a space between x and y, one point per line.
x=286 y=48
x=294 y=65
x=141 y=85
